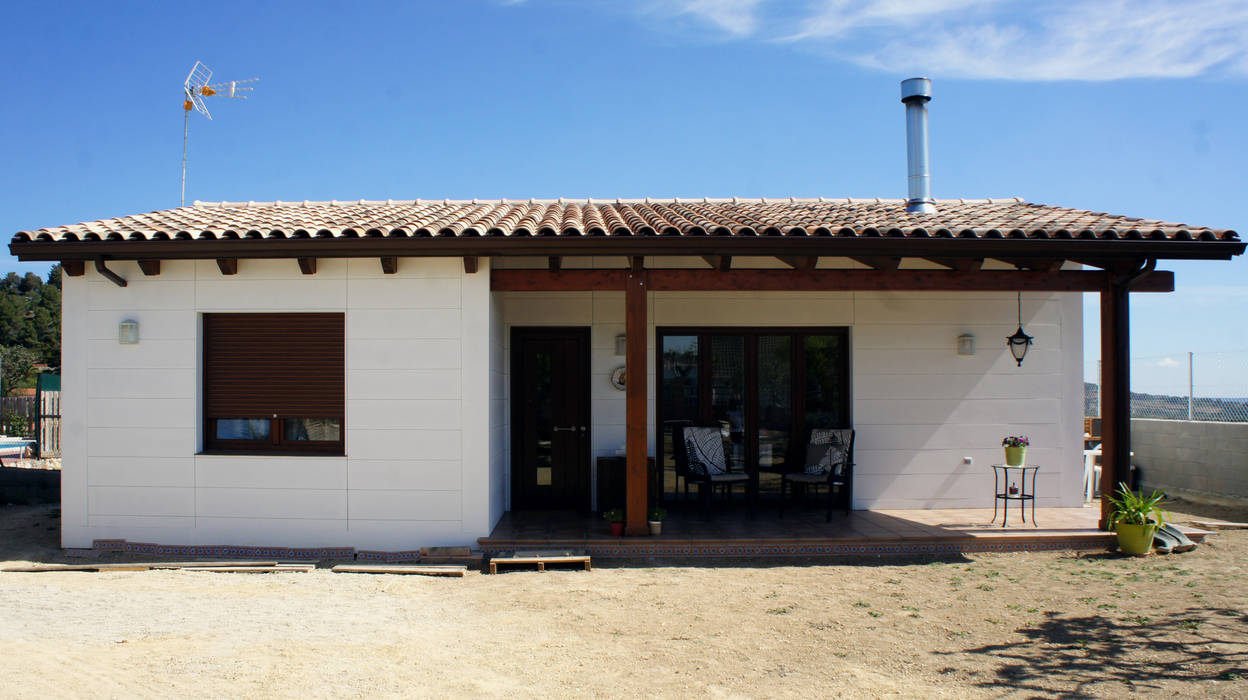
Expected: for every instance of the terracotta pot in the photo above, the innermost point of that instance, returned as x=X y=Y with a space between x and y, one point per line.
x=617 y=529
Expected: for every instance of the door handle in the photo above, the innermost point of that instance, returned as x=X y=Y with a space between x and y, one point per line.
x=563 y=429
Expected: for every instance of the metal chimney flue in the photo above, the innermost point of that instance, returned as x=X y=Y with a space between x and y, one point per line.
x=915 y=94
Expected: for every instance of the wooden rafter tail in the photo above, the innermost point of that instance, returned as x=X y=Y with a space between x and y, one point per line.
x=470 y=264
x=151 y=268
x=228 y=266
x=389 y=265
x=307 y=266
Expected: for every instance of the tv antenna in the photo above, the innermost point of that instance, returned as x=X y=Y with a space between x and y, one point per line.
x=195 y=88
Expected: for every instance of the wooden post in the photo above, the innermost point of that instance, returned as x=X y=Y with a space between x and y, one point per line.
x=635 y=400
x=1115 y=390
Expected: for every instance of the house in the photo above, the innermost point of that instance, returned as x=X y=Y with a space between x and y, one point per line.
x=346 y=373
x=390 y=374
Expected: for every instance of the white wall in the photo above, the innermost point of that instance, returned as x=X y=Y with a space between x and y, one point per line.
x=427 y=387
x=417 y=402
x=918 y=407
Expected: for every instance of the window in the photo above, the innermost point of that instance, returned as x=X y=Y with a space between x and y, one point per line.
x=274 y=382
x=765 y=388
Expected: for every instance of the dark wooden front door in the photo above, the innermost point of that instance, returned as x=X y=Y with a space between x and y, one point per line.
x=550 y=418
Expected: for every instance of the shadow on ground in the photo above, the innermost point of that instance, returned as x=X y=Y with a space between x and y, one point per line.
x=1089 y=652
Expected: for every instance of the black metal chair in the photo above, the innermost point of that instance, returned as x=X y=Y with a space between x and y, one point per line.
x=699 y=452
x=830 y=464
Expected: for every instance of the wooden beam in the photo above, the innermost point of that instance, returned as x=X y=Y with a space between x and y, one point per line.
x=228 y=266
x=723 y=263
x=878 y=262
x=74 y=268
x=470 y=264
x=1115 y=390
x=108 y=274
x=150 y=268
x=307 y=266
x=799 y=262
x=554 y=263
x=389 y=265
x=635 y=441
x=822 y=280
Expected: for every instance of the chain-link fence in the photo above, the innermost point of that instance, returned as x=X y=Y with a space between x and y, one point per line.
x=1204 y=386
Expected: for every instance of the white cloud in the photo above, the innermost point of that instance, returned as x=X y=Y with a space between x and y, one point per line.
x=1168 y=362
x=738 y=18
x=1039 y=40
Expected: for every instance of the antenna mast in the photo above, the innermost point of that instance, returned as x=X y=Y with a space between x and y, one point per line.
x=194 y=89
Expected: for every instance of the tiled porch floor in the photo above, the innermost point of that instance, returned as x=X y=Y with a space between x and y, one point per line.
x=803 y=531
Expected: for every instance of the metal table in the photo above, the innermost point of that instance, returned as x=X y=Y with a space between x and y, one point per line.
x=1005 y=491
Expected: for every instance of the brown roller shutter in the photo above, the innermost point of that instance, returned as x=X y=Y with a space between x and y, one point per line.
x=265 y=365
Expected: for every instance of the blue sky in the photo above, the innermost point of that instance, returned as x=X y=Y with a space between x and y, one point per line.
x=1132 y=108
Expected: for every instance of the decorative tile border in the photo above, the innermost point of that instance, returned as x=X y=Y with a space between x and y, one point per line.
x=410 y=555
x=615 y=548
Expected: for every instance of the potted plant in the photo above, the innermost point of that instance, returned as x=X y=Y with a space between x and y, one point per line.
x=655 y=519
x=1015 y=450
x=615 y=517
x=1136 y=517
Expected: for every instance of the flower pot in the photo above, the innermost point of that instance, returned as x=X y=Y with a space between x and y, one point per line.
x=656 y=527
x=1135 y=539
x=1015 y=456
x=617 y=529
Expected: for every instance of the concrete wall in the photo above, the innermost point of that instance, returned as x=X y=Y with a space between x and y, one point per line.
x=1199 y=460
x=919 y=408
x=416 y=471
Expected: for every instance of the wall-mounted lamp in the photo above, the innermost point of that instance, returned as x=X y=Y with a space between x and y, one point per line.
x=1020 y=341
x=621 y=345
x=966 y=344
x=128 y=332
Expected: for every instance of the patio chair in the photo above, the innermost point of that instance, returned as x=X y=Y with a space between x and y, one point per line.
x=699 y=452
x=830 y=463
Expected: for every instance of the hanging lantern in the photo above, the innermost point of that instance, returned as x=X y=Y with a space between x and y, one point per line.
x=1020 y=341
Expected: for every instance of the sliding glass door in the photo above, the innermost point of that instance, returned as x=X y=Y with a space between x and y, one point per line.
x=765 y=388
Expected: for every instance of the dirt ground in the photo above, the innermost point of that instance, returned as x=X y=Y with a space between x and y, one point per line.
x=1015 y=625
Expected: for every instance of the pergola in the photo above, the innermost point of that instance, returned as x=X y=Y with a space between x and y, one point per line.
x=825 y=244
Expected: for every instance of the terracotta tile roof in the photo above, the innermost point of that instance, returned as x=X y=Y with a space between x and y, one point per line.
x=852 y=218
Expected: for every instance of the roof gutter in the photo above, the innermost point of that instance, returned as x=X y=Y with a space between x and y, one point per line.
x=447 y=246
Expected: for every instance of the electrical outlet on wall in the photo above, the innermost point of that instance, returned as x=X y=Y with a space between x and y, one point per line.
x=968 y=460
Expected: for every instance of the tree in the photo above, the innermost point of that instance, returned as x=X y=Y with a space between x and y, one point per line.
x=19 y=362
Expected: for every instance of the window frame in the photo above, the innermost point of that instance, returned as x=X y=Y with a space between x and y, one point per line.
x=276 y=444
x=798 y=377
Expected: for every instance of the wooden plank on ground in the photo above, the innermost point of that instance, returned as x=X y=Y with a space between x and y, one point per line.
x=416 y=569
x=133 y=566
x=1219 y=525
x=279 y=569
x=541 y=558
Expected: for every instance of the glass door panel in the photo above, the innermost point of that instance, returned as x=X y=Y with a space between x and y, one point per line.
x=678 y=396
x=825 y=397
x=775 y=406
x=728 y=394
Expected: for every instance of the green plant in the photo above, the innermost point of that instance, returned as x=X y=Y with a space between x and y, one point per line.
x=657 y=513
x=615 y=515
x=15 y=423
x=1131 y=508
